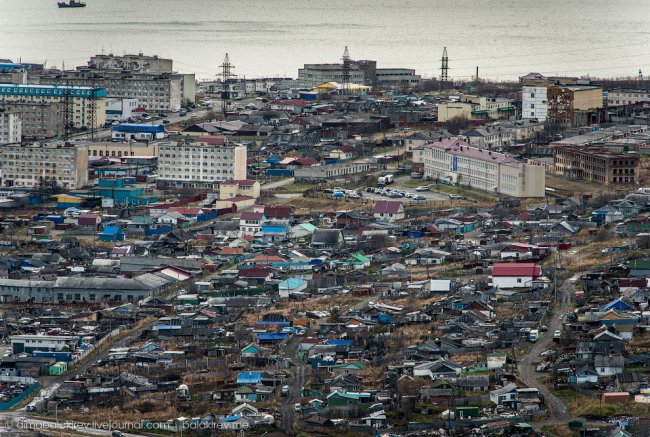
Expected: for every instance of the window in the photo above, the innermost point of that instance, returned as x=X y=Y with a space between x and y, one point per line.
x=518 y=280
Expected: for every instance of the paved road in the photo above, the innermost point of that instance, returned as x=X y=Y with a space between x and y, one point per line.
x=527 y=373
x=288 y=411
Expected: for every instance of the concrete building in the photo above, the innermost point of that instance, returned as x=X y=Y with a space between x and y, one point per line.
x=200 y=165
x=31 y=166
x=597 y=164
x=98 y=149
x=139 y=62
x=120 y=109
x=10 y=127
x=564 y=102
x=39 y=120
x=84 y=289
x=40 y=342
x=80 y=98
x=233 y=188
x=322 y=173
x=621 y=96
x=534 y=102
x=489 y=137
x=457 y=162
x=363 y=72
x=477 y=108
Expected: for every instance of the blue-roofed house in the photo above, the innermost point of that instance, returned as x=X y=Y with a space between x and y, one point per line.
x=249 y=377
x=112 y=233
x=236 y=421
x=618 y=304
x=273 y=338
x=251 y=351
x=275 y=230
x=291 y=286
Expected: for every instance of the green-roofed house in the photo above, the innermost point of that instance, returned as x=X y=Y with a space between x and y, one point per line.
x=353 y=368
x=251 y=351
x=340 y=400
x=357 y=262
x=640 y=268
x=302 y=230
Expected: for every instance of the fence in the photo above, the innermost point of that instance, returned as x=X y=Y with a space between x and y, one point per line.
x=4 y=406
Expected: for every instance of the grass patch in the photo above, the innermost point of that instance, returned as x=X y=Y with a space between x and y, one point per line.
x=292 y=188
x=560 y=430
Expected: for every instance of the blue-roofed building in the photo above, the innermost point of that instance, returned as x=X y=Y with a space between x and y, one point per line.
x=291 y=286
x=249 y=377
x=137 y=132
x=618 y=304
x=264 y=338
x=112 y=233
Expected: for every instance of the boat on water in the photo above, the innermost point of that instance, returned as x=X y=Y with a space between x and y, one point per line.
x=72 y=4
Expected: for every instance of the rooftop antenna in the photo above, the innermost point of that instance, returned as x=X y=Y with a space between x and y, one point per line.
x=444 y=67
x=346 y=71
x=226 y=78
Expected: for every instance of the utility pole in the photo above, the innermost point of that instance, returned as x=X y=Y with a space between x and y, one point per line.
x=346 y=71
x=226 y=80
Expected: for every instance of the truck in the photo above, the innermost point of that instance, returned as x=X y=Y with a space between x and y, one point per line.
x=389 y=179
x=533 y=335
x=381 y=181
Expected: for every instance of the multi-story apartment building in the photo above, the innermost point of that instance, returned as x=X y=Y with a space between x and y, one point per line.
x=456 y=161
x=139 y=62
x=621 y=96
x=99 y=149
x=364 y=72
x=80 y=100
x=534 y=102
x=565 y=101
x=597 y=164
x=10 y=127
x=489 y=137
x=200 y=165
x=39 y=120
x=33 y=165
x=149 y=79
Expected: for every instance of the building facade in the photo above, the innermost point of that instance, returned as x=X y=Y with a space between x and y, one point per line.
x=81 y=100
x=34 y=165
x=457 y=162
x=39 y=120
x=10 y=127
x=620 y=96
x=199 y=165
x=534 y=102
x=565 y=101
x=99 y=149
x=597 y=164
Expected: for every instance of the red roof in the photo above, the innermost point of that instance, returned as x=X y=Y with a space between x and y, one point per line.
x=267 y=258
x=186 y=211
x=250 y=215
x=516 y=269
x=386 y=207
x=212 y=140
x=278 y=212
x=88 y=219
x=232 y=251
x=255 y=272
x=307 y=161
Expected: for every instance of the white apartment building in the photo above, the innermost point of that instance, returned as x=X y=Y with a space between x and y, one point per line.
x=10 y=127
x=534 y=103
x=199 y=165
x=457 y=162
x=621 y=96
x=29 y=166
x=120 y=109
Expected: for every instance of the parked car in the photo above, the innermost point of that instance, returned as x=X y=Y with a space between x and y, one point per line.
x=418 y=197
x=297 y=407
x=422 y=188
x=455 y=197
x=557 y=333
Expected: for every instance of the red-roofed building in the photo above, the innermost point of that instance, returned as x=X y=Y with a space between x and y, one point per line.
x=250 y=222
x=515 y=275
x=388 y=210
x=278 y=212
x=212 y=140
x=255 y=275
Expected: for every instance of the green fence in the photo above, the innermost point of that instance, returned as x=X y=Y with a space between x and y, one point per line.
x=21 y=397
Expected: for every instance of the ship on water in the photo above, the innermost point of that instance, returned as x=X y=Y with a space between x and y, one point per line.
x=72 y=4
